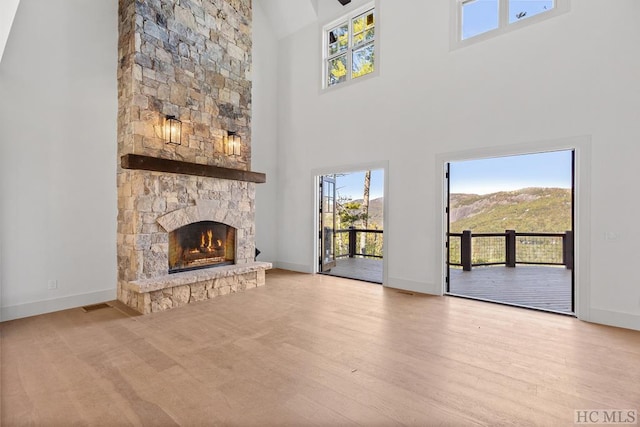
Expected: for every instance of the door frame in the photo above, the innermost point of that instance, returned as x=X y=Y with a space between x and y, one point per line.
x=581 y=145
x=324 y=265
x=498 y=299
x=357 y=167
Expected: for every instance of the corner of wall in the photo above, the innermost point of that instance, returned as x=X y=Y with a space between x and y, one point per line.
x=614 y=318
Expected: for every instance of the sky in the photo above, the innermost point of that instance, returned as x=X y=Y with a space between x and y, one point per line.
x=352 y=185
x=484 y=176
x=479 y=16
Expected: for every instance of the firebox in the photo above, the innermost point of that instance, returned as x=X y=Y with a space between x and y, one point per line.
x=201 y=245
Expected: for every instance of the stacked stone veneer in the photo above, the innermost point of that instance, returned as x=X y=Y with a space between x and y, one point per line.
x=191 y=59
x=154 y=204
x=152 y=295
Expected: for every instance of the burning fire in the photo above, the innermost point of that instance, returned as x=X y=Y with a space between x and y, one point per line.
x=210 y=236
x=206 y=243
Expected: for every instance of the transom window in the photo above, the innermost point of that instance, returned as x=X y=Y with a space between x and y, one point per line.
x=349 y=47
x=479 y=19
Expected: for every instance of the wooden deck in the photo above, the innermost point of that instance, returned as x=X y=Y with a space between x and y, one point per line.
x=540 y=287
x=365 y=269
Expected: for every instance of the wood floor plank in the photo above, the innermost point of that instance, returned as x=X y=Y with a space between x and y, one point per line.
x=314 y=350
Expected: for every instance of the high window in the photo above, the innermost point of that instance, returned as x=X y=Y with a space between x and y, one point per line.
x=349 y=47
x=480 y=19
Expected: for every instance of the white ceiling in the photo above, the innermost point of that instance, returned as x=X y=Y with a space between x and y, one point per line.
x=8 y=10
x=288 y=16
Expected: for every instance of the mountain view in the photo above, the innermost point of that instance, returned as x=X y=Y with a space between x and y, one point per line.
x=539 y=210
x=528 y=210
x=376 y=208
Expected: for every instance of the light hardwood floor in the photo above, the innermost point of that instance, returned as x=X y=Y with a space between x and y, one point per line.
x=315 y=350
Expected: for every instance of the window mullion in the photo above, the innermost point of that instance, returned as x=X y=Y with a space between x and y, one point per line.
x=350 y=50
x=335 y=55
x=503 y=13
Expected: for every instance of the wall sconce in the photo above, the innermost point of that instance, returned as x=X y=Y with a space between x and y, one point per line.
x=172 y=130
x=232 y=144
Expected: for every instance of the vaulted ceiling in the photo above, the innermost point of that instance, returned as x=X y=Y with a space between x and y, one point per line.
x=8 y=10
x=288 y=16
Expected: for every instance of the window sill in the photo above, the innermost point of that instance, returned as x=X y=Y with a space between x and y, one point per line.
x=348 y=83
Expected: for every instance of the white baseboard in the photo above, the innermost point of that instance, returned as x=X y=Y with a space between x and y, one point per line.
x=410 y=285
x=300 y=268
x=614 y=318
x=48 y=306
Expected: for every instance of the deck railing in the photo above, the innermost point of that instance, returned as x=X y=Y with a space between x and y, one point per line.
x=469 y=250
x=349 y=241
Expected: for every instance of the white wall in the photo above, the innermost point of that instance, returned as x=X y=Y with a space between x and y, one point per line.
x=569 y=76
x=58 y=109
x=264 y=147
x=573 y=75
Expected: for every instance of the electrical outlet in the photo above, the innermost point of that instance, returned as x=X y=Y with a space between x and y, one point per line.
x=52 y=284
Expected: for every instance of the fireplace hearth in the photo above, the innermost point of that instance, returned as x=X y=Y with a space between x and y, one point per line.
x=202 y=244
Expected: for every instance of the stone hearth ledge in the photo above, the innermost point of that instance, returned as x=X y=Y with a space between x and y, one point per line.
x=174 y=290
x=194 y=276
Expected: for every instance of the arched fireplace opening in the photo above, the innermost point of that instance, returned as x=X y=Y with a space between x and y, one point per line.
x=201 y=244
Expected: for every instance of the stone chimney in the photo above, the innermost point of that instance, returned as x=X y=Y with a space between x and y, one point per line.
x=190 y=59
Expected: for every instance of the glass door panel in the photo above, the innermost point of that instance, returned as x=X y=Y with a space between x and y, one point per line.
x=327 y=222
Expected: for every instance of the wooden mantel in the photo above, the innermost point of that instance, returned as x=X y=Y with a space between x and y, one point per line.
x=136 y=161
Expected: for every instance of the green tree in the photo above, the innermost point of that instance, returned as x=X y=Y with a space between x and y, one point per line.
x=349 y=213
x=365 y=210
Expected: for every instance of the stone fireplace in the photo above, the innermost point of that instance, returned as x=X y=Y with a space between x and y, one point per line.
x=186 y=227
